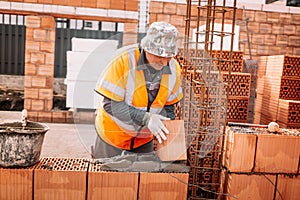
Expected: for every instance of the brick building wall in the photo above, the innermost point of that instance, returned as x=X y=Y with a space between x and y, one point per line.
x=270 y=33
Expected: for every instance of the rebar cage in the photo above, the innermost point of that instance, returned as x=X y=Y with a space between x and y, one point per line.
x=204 y=107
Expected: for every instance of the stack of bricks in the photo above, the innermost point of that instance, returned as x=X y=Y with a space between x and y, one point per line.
x=238 y=90
x=81 y=179
x=39 y=70
x=278 y=91
x=261 y=165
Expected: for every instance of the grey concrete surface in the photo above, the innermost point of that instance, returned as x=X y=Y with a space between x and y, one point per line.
x=62 y=140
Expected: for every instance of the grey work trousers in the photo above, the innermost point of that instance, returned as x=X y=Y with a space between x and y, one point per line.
x=104 y=150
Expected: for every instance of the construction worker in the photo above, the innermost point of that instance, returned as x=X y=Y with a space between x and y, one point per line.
x=139 y=88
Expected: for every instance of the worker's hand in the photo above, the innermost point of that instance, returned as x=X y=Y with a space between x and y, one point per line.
x=157 y=128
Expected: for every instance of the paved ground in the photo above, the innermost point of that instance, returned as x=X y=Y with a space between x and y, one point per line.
x=62 y=140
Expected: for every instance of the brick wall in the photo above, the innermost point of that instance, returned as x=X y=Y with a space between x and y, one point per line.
x=270 y=33
x=260 y=164
x=39 y=70
x=131 y=5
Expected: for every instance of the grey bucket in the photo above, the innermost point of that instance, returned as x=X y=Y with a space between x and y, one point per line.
x=21 y=147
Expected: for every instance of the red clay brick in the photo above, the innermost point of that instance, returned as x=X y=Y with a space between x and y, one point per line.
x=103 y=3
x=37 y=58
x=46 y=70
x=37 y=105
x=288 y=186
x=282 y=40
x=33 y=22
x=277 y=29
x=257 y=39
x=45 y=94
x=59 y=116
x=32 y=116
x=295 y=18
x=260 y=16
x=156 y=7
x=27 y=104
x=38 y=82
x=285 y=18
x=289 y=29
x=294 y=41
x=253 y=27
x=240 y=152
x=76 y=3
x=163 y=186
x=112 y=185
x=163 y=17
x=31 y=93
x=32 y=46
x=27 y=81
x=45 y=117
x=16 y=184
x=47 y=22
x=49 y=82
x=89 y=3
x=132 y=5
x=152 y=18
x=48 y=105
x=273 y=17
x=46 y=1
x=177 y=20
x=277 y=153
x=30 y=69
x=169 y=8
x=244 y=186
x=118 y=5
x=269 y=40
x=29 y=34
x=181 y=9
x=49 y=58
x=265 y=28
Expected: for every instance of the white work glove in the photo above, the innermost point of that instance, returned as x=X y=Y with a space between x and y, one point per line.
x=157 y=128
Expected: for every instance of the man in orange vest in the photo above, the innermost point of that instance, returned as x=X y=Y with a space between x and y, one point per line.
x=139 y=88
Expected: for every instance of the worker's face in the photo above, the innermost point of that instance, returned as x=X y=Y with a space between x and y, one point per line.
x=157 y=62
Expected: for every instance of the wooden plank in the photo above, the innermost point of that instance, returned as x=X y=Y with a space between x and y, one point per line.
x=242 y=186
x=277 y=153
x=167 y=186
x=174 y=148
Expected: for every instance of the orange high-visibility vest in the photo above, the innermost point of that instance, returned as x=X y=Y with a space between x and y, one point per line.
x=123 y=82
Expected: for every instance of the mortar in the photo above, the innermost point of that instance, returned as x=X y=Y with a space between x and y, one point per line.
x=21 y=147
